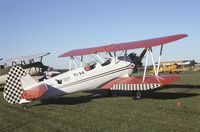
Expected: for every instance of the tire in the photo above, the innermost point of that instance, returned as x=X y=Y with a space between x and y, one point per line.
x=138 y=95
x=114 y=93
x=25 y=107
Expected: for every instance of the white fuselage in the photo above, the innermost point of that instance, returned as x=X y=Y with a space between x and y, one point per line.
x=82 y=80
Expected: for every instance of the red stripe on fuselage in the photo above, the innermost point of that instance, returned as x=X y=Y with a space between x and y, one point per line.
x=35 y=92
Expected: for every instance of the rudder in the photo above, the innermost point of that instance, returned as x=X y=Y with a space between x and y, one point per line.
x=13 y=89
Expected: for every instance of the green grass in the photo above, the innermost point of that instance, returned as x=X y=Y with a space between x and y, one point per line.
x=95 y=111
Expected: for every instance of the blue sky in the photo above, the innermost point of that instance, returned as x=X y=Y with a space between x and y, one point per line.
x=56 y=26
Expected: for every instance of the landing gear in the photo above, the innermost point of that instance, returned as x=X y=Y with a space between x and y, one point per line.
x=137 y=95
x=113 y=93
x=26 y=106
x=29 y=105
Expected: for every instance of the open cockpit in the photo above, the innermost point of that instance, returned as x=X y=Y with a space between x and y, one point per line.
x=92 y=61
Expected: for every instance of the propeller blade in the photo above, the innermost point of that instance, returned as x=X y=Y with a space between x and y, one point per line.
x=143 y=53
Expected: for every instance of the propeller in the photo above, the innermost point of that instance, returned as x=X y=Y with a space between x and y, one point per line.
x=137 y=60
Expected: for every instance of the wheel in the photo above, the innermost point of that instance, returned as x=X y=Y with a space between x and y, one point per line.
x=138 y=95
x=25 y=107
x=113 y=93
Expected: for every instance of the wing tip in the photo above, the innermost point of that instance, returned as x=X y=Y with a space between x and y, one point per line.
x=181 y=35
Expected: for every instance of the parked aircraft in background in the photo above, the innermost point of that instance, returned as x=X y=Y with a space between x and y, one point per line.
x=108 y=73
x=172 y=66
x=0 y=61
x=32 y=64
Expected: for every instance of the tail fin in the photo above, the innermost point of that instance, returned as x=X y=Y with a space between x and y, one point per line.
x=27 y=81
x=17 y=81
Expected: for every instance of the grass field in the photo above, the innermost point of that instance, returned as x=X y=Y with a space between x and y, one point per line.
x=174 y=108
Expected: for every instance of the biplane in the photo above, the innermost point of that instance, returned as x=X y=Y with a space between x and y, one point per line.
x=32 y=64
x=112 y=73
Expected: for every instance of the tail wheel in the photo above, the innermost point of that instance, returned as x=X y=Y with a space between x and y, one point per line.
x=27 y=106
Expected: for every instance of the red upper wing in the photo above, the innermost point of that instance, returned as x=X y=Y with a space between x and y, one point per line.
x=125 y=46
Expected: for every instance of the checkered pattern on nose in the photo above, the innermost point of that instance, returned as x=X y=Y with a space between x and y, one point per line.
x=13 y=89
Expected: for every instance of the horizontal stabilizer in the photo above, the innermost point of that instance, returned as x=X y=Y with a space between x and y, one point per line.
x=21 y=87
x=27 y=81
x=137 y=83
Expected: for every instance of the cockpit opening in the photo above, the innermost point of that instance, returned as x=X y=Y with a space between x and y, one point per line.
x=89 y=67
x=106 y=62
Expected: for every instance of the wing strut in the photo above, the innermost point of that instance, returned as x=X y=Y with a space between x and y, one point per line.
x=74 y=62
x=70 y=63
x=161 y=49
x=81 y=64
x=152 y=59
x=125 y=54
x=156 y=69
x=101 y=60
x=146 y=63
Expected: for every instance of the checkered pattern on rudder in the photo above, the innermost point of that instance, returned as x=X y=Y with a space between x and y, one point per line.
x=13 y=89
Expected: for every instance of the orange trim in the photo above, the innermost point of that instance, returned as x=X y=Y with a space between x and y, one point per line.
x=35 y=92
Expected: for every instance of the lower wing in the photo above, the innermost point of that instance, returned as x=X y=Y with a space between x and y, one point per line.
x=137 y=83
